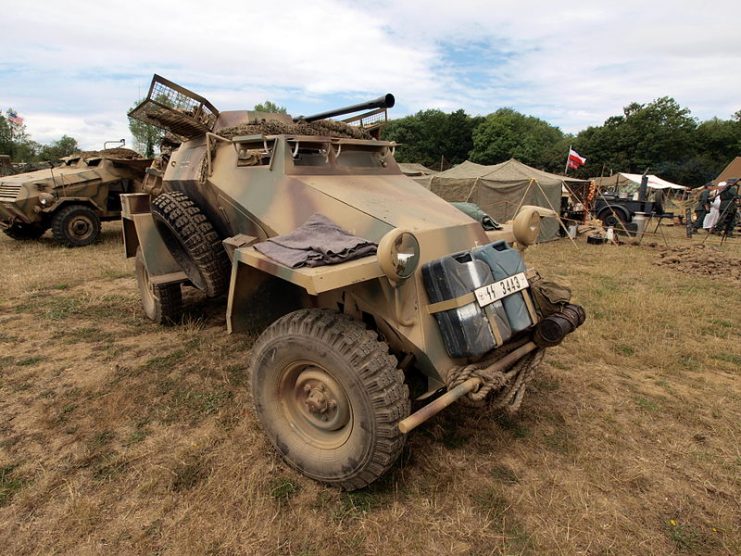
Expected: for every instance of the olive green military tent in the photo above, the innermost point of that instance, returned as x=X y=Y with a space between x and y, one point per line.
x=412 y=169
x=733 y=170
x=501 y=189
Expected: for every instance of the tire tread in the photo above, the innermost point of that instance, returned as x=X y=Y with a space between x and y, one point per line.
x=198 y=236
x=376 y=369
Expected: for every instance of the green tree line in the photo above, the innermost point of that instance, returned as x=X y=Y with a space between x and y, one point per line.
x=660 y=135
x=17 y=143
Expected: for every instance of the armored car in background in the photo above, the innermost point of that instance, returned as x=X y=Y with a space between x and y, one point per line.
x=71 y=197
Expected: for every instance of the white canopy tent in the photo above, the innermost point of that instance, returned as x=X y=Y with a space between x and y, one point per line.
x=631 y=182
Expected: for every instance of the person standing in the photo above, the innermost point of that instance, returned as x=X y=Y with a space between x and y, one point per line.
x=711 y=219
x=703 y=206
x=728 y=209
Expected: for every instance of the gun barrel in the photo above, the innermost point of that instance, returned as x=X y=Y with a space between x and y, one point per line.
x=385 y=101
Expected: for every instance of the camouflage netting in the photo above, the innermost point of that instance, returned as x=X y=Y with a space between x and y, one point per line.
x=120 y=153
x=327 y=128
x=703 y=260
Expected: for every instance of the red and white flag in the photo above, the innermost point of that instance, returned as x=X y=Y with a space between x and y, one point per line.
x=15 y=119
x=575 y=160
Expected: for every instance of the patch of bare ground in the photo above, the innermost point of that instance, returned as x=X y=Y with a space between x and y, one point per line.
x=120 y=436
x=702 y=260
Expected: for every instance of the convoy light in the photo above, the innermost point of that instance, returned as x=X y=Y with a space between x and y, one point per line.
x=526 y=226
x=398 y=254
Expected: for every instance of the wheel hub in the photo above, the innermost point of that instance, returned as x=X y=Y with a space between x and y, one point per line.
x=321 y=400
x=80 y=227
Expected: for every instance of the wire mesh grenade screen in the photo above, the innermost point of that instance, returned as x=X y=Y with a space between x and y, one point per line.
x=371 y=120
x=172 y=98
x=175 y=109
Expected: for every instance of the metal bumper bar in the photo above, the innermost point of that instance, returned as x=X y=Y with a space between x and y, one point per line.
x=471 y=385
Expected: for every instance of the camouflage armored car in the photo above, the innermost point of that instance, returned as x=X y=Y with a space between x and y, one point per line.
x=390 y=294
x=71 y=197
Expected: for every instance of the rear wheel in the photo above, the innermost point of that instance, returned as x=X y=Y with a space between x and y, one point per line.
x=193 y=241
x=162 y=304
x=612 y=219
x=76 y=226
x=329 y=397
x=22 y=232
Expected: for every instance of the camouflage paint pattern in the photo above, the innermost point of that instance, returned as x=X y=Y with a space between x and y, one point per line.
x=256 y=187
x=33 y=197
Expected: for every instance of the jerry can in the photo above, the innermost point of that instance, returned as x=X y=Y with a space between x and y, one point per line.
x=504 y=261
x=468 y=330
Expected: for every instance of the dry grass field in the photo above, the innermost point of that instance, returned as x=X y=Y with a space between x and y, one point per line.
x=118 y=436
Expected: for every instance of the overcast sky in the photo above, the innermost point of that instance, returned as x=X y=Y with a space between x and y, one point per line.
x=75 y=67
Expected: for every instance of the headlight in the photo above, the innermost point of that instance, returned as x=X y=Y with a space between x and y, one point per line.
x=398 y=254
x=46 y=199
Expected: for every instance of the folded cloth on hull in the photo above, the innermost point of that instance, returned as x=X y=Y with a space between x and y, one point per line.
x=317 y=242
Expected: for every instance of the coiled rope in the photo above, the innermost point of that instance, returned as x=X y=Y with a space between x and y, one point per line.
x=502 y=389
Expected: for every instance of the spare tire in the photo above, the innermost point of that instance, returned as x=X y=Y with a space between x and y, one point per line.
x=193 y=241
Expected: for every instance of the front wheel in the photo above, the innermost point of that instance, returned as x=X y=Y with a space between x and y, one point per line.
x=329 y=397
x=76 y=226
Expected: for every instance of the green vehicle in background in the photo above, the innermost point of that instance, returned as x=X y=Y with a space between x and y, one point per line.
x=71 y=197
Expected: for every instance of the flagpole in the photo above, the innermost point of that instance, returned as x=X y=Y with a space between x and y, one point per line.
x=566 y=170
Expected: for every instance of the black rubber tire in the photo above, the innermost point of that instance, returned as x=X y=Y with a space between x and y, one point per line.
x=75 y=225
x=615 y=220
x=22 y=232
x=162 y=304
x=192 y=241
x=352 y=443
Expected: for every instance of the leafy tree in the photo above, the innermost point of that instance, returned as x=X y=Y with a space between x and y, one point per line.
x=16 y=142
x=5 y=136
x=59 y=148
x=722 y=137
x=269 y=106
x=146 y=136
x=509 y=134
x=14 y=139
x=660 y=135
x=432 y=137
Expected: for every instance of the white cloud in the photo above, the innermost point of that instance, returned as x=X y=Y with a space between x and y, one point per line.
x=79 y=65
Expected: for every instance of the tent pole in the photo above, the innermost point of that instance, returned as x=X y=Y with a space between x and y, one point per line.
x=612 y=211
x=547 y=200
x=566 y=170
x=571 y=192
x=473 y=188
x=522 y=199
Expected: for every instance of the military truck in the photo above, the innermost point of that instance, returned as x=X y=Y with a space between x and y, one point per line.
x=71 y=197
x=438 y=310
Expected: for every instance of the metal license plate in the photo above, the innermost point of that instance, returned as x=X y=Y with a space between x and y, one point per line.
x=490 y=293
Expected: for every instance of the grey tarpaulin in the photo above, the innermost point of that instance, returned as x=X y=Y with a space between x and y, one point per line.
x=475 y=212
x=317 y=242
